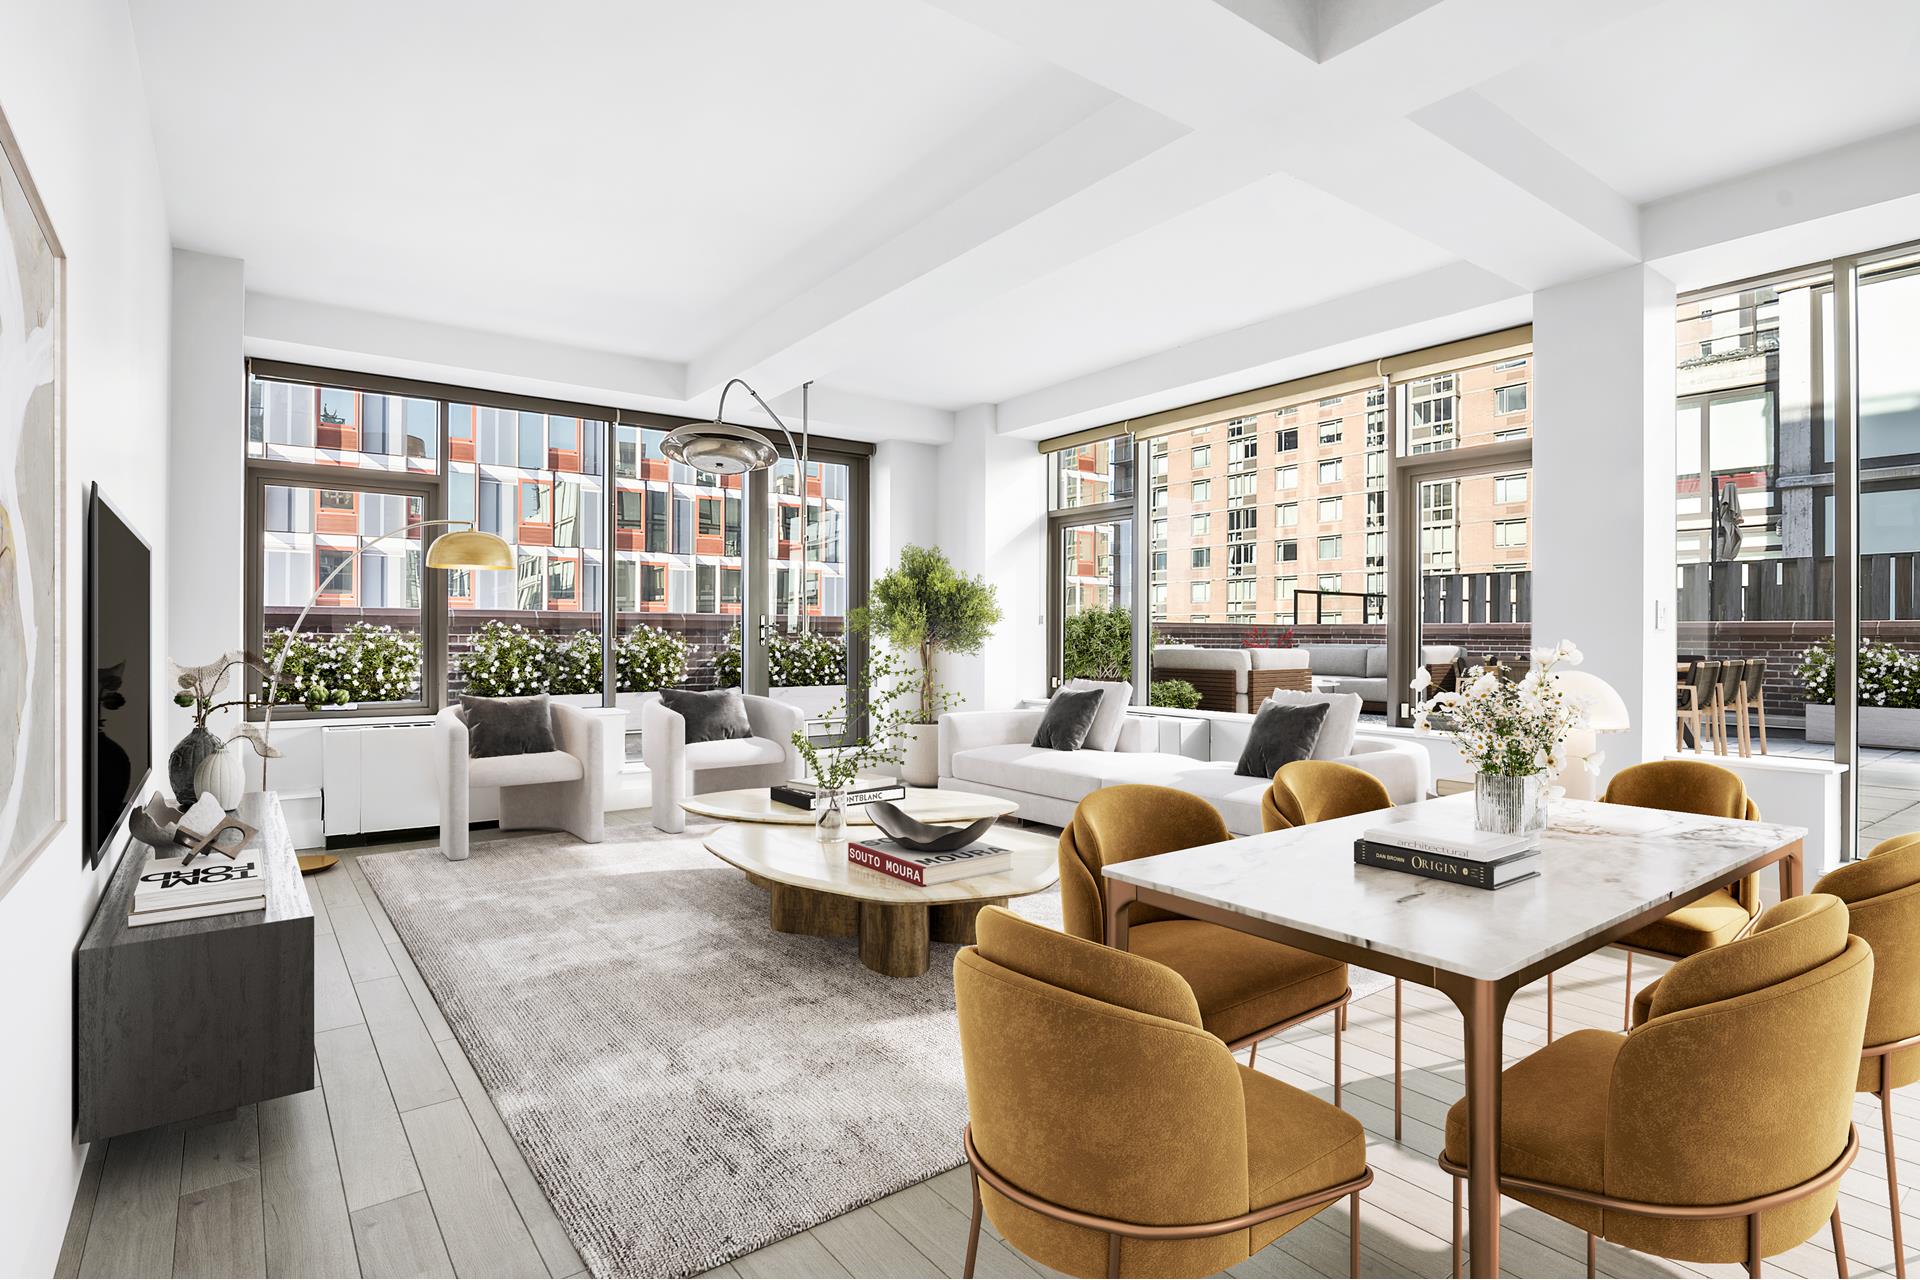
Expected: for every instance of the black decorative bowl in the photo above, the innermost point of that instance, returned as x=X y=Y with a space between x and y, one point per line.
x=922 y=836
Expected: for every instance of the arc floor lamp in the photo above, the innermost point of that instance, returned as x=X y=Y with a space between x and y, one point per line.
x=461 y=547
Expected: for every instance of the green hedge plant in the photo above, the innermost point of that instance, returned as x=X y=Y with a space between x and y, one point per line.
x=1179 y=694
x=1097 y=644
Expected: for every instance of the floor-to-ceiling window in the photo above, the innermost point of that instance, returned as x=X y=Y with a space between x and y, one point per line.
x=1090 y=606
x=1797 y=501
x=1264 y=516
x=615 y=548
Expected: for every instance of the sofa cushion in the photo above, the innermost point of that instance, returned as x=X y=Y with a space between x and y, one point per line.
x=1343 y=720
x=1115 y=696
x=1282 y=733
x=523 y=770
x=1280 y=659
x=1338 y=659
x=1017 y=766
x=1069 y=719
x=1237 y=798
x=711 y=716
x=507 y=726
x=731 y=753
x=1376 y=662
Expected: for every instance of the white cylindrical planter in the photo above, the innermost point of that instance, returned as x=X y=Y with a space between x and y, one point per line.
x=920 y=766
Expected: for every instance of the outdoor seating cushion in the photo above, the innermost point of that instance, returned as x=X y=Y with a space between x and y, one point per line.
x=527 y=769
x=1339 y=659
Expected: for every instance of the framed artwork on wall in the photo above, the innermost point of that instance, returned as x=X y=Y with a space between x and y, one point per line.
x=33 y=703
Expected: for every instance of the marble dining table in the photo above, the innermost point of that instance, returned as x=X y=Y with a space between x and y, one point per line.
x=1605 y=871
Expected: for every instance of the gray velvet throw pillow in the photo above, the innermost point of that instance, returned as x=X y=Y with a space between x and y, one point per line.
x=1069 y=718
x=712 y=716
x=1280 y=735
x=507 y=726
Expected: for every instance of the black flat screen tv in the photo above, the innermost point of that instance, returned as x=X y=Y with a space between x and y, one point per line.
x=119 y=673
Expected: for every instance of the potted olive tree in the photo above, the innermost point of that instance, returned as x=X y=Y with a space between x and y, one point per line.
x=925 y=606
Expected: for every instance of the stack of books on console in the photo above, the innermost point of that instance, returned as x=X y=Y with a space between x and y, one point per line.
x=810 y=795
x=210 y=885
x=1458 y=855
x=916 y=866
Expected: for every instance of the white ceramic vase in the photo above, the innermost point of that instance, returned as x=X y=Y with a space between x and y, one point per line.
x=223 y=775
x=920 y=766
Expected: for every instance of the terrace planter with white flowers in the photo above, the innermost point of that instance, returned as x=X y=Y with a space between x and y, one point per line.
x=1889 y=694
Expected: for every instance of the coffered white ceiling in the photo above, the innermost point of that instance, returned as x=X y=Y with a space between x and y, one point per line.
x=937 y=203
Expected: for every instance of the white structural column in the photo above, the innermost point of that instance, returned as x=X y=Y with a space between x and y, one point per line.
x=1603 y=536
x=206 y=461
x=993 y=522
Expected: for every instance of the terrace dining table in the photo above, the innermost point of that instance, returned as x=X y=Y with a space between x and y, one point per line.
x=1605 y=871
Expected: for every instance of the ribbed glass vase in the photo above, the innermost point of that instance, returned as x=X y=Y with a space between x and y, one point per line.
x=830 y=823
x=1510 y=804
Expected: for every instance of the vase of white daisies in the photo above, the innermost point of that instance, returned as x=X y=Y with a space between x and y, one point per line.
x=1511 y=732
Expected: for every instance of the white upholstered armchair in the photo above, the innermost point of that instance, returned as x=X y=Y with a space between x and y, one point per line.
x=563 y=789
x=681 y=768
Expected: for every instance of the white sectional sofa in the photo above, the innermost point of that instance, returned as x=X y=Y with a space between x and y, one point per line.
x=989 y=751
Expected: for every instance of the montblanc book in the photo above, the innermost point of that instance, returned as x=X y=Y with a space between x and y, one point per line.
x=810 y=797
x=1450 y=841
x=1496 y=873
x=916 y=866
x=174 y=889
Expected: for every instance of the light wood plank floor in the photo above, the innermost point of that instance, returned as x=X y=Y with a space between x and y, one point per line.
x=397 y=1163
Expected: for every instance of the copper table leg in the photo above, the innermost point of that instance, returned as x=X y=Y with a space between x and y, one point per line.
x=1483 y=1010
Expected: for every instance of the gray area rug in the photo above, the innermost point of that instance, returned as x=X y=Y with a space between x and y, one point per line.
x=686 y=1084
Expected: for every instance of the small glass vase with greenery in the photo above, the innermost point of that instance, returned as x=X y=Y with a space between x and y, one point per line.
x=884 y=697
x=926 y=607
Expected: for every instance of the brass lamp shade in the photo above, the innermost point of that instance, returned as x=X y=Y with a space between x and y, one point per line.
x=469 y=549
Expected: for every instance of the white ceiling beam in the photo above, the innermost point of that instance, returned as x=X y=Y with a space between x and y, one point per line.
x=806 y=333
x=1434 y=306
x=321 y=334
x=1841 y=200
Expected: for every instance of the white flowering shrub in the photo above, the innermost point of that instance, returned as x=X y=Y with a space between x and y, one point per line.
x=650 y=658
x=573 y=664
x=506 y=660
x=1515 y=728
x=794 y=660
x=364 y=663
x=1889 y=675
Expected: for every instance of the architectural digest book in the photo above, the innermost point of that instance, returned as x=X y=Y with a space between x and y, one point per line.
x=173 y=889
x=1450 y=841
x=891 y=858
x=1495 y=873
x=809 y=796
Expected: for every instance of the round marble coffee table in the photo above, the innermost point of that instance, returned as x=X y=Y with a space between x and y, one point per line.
x=927 y=804
x=814 y=890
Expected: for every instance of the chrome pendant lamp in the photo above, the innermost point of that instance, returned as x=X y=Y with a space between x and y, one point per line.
x=720 y=448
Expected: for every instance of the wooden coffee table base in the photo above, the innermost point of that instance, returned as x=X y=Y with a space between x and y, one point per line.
x=894 y=937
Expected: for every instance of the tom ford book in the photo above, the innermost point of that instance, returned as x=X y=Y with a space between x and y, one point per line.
x=1495 y=874
x=173 y=889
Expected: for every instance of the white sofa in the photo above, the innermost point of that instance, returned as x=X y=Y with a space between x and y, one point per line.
x=681 y=768
x=563 y=789
x=989 y=752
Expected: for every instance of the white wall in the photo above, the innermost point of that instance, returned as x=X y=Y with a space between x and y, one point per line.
x=905 y=486
x=207 y=482
x=71 y=89
x=993 y=522
x=1603 y=531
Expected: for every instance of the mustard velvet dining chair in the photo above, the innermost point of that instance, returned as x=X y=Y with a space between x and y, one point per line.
x=1882 y=893
x=1110 y=1133
x=1248 y=988
x=1716 y=1130
x=1308 y=791
x=1684 y=786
